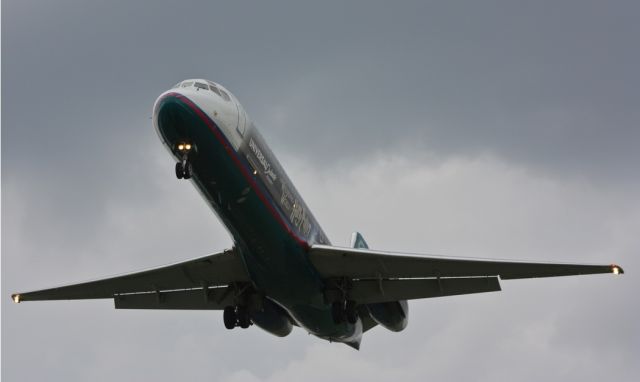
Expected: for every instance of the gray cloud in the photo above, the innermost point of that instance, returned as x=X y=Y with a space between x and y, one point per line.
x=490 y=130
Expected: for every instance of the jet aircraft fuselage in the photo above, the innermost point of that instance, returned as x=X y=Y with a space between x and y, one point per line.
x=243 y=182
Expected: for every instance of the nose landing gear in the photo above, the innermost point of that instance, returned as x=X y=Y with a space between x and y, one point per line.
x=183 y=168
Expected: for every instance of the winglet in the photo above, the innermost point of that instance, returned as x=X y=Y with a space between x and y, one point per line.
x=616 y=269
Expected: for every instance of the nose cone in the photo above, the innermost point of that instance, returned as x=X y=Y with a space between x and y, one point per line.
x=170 y=118
x=196 y=103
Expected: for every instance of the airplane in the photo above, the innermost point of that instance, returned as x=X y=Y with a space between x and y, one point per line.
x=282 y=270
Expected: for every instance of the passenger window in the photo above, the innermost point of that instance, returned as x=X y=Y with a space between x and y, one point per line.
x=225 y=96
x=200 y=85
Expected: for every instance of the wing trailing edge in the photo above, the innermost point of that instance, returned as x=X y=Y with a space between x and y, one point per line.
x=213 y=270
x=377 y=276
x=358 y=263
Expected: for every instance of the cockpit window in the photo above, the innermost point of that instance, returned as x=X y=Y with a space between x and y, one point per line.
x=224 y=95
x=200 y=85
x=186 y=84
x=176 y=85
x=214 y=89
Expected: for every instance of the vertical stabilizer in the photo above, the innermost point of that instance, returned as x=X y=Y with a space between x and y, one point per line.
x=357 y=241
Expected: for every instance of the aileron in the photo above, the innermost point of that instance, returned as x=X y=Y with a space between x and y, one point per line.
x=363 y=263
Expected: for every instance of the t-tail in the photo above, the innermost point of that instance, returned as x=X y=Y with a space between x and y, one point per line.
x=393 y=315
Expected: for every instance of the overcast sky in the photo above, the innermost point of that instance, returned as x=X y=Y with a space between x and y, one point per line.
x=487 y=129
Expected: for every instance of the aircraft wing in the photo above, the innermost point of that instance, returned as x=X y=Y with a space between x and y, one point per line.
x=380 y=276
x=202 y=283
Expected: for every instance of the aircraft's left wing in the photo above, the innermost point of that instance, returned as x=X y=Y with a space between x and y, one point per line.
x=379 y=276
x=202 y=283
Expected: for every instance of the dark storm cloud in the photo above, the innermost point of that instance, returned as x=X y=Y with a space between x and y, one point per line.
x=551 y=84
x=481 y=129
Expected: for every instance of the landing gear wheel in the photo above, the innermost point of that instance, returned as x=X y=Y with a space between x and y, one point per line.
x=229 y=317
x=186 y=170
x=351 y=312
x=179 y=170
x=243 y=317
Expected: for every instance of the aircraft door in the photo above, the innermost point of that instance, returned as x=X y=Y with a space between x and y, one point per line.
x=242 y=119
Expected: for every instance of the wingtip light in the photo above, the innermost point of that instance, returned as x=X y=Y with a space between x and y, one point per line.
x=616 y=270
x=16 y=298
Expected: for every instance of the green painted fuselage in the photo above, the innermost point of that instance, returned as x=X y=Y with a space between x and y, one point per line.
x=269 y=222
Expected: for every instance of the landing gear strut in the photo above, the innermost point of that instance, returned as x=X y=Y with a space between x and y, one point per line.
x=345 y=310
x=236 y=316
x=183 y=168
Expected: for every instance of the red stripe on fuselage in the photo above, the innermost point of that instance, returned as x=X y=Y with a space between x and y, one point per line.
x=234 y=156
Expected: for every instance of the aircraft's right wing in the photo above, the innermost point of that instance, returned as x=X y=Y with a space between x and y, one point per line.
x=202 y=283
x=379 y=276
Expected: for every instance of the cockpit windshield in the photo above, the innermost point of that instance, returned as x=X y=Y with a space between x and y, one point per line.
x=204 y=86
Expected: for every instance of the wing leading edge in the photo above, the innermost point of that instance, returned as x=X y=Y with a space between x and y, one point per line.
x=380 y=276
x=134 y=290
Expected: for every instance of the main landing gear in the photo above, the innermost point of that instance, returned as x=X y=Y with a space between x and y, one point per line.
x=345 y=310
x=183 y=168
x=236 y=316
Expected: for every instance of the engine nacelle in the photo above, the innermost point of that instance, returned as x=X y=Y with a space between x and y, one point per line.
x=392 y=315
x=272 y=318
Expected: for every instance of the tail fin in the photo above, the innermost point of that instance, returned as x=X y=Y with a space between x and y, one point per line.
x=357 y=241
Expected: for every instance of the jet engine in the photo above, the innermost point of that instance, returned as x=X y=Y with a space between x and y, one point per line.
x=392 y=315
x=272 y=318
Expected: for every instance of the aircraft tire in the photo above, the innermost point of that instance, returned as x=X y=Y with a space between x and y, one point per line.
x=179 y=170
x=187 y=171
x=229 y=317
x=243 y=317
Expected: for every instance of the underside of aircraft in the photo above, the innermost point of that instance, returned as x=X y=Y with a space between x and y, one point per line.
x=282 y=270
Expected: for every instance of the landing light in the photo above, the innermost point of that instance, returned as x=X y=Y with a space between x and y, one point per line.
x=16 y=298
x=187 y=146
x=180 y=147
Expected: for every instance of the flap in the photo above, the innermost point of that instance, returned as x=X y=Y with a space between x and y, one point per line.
x=373 y=291
x=196 y=299
x=357 y=263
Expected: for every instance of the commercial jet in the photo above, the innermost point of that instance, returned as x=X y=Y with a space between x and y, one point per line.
x=282 y=270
